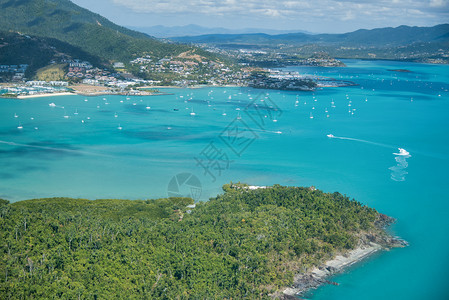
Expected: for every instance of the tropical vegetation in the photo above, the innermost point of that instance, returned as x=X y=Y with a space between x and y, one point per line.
x=241 y=244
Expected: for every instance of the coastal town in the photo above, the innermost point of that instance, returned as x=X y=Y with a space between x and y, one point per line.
x=131 y=78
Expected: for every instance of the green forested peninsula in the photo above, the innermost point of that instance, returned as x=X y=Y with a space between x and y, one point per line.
x=242 y=244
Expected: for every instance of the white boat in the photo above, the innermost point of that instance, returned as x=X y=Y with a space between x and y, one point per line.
x=330 y=135
x=115 y=115
x=20 y=126
x=15 y=115
x=119 y=127
x=192 y=113
x=311 y=116
x=76 y=112
x=148 y=107
x=52 y=105
x=224 y=113
x=402 y=152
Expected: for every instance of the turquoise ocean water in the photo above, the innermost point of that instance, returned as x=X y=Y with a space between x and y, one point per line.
x=76 y=149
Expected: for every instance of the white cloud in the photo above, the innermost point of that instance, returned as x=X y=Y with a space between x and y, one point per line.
x=278 y=9
x=439 y=3
x=349 y=15
x=373 y=13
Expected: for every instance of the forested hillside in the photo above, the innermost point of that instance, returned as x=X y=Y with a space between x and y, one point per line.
x=242 y=244
x=38 y=52
x=379 y=37
x=64 y=20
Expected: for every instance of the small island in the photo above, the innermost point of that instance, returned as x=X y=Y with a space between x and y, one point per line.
x=400 y=70
x=249 y=242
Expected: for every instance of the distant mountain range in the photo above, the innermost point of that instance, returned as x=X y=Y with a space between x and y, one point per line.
x=161 y=31
x=382 y=37
x=74 y=25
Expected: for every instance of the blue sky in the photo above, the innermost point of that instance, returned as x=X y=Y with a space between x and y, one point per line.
x=320 y=16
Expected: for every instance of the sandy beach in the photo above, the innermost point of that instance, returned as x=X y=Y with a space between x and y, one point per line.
x=45 y=95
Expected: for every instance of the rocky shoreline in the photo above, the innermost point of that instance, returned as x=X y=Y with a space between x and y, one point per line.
x=369 y=243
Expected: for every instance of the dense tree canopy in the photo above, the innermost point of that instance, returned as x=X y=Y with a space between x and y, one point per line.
x=242 y=244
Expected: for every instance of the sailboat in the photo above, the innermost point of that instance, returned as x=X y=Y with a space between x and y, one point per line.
x=192 y=113
x=76 y=112
x=119 y=127
x=20 y=126
x=311 y=116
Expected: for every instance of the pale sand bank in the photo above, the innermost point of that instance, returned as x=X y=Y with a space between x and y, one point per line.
x=45 y=95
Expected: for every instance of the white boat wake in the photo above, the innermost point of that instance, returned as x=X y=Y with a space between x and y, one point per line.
x=361 y=141
x=398 y=171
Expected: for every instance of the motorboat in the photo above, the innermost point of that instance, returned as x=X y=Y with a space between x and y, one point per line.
x=402 y=152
